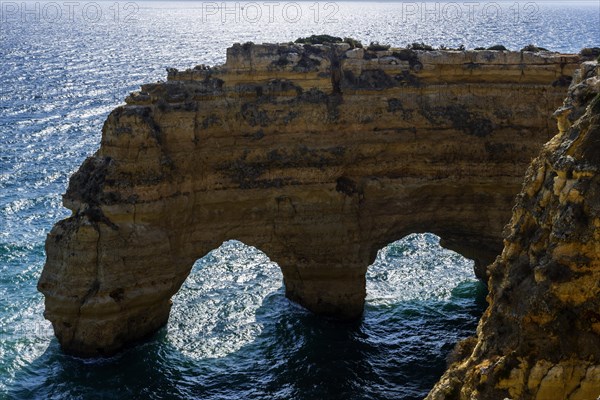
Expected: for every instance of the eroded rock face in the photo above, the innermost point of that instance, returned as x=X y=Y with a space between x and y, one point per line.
x=317 y=155
x=540 y=337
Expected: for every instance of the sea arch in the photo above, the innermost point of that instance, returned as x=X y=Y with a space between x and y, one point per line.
x=317 y=163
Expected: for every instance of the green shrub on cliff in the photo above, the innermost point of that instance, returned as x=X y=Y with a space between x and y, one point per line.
x=533 y=48
x=353 y=43
x=459 y=48
x=497 y=47
x=405 y=55
x=419 y=46
x=319 y=39
x=375 y=46
x=590 y=53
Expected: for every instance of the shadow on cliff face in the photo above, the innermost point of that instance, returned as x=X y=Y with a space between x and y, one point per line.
x=234 y=335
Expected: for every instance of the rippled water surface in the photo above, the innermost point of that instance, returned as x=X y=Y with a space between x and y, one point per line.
x=232 y=334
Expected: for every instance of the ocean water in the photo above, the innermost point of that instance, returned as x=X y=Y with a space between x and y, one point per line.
x=232 y=334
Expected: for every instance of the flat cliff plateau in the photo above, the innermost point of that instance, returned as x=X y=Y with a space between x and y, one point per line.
x=319 y=155
x=540 y=337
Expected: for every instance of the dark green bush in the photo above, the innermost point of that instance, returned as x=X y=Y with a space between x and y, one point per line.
x=533 y=48
x=590 y=53
x=405 y=55
x=497 y=47
x=375 y=46
x=420 y=46
x=479 y=48
x=319 y=39
x=353 y=43
x=459 y=48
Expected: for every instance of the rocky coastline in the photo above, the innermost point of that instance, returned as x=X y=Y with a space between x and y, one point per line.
x=320 y=155
x=540 y=336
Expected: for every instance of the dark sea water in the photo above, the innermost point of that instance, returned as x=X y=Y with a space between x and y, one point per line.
x=232 y=334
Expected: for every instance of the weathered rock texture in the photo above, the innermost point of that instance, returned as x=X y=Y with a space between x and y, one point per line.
x=317 y=155
x=540 y=337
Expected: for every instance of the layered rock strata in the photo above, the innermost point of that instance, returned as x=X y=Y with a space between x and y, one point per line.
x=540 y=337
x=319 y=155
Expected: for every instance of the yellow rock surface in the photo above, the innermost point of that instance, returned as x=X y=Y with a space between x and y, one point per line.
x=317 y=155
x=545 y=287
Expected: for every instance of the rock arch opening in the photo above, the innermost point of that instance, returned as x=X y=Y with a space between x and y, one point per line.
x=416 y=267
x=421 y=300
x=214 y=313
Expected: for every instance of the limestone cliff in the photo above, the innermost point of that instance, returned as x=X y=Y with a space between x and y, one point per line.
x=319 y=155
x=540 y=337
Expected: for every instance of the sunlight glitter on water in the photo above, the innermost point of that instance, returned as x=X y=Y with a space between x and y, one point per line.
x=58 y=83
x=409 y=270
x=214 y=312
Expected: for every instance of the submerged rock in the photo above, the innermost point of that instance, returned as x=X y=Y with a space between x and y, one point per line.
x=540 y=336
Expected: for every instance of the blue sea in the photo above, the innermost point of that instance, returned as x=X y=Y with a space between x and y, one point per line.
x=232 y=333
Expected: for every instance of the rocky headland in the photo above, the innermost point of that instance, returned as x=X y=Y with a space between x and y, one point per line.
x=319 y=155
x=540 y=337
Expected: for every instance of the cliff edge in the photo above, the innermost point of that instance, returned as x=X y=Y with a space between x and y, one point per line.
x=540 y=337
